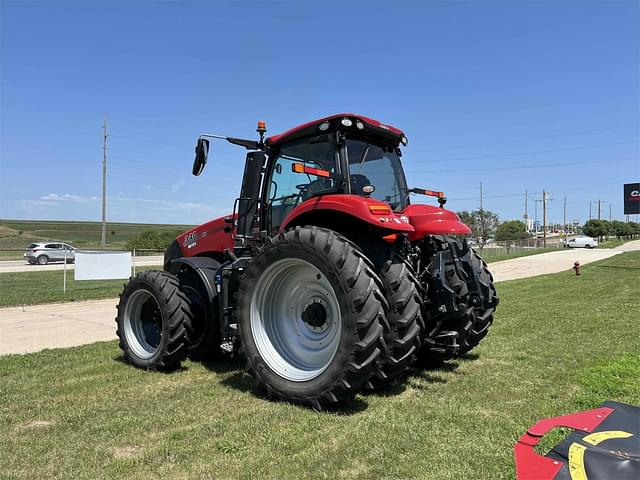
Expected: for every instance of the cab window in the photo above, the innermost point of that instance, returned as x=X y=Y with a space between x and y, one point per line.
x=288 y=188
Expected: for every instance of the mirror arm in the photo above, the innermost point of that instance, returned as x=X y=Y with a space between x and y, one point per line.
x=248 y=144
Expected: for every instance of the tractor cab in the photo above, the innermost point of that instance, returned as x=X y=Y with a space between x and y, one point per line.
x=342 y=154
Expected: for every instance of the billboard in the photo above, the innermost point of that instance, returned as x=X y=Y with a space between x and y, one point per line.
x=632 y=198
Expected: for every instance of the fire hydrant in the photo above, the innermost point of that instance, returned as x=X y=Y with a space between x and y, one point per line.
x=576 y=267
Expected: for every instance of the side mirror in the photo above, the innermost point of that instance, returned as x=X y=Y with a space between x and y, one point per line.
x=202 y=151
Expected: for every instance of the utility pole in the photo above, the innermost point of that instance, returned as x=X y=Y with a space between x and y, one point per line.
x=544 y=218
x=526 y=210
x=598 y=209
x=482 y=232
x=609 y=212
x=104 y=183
x=564 y=217
x=590 y=209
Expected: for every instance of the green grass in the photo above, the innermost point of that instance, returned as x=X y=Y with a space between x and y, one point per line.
x=502 y=254
x=46 y=286
x=17 y=234
x=560 y=343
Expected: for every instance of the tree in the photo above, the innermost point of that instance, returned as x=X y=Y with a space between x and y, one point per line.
x=152 y=240
x=596 y=228
x=512 y=230
x=482 y=223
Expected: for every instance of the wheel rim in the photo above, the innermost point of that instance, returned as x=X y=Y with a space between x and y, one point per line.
x=42 y=260
x=143 y=323
x=295 y=319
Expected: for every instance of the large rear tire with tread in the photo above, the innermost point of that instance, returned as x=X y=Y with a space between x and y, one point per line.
x=460 y=302
x=311 y=318
x=402 y=292
x=152 y=319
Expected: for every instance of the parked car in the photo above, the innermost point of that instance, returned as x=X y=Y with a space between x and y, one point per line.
x=42 y=253
x=582 y=241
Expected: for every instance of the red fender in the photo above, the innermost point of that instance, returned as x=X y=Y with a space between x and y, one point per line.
x=430 y=220
x=356 y=206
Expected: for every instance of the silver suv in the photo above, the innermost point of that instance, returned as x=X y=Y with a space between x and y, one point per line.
x=42 y=253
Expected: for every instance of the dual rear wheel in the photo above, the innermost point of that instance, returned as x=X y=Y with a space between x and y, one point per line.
x=317 y=320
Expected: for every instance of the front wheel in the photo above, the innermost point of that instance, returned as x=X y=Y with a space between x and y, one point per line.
x=311 y=316
x=153 y=314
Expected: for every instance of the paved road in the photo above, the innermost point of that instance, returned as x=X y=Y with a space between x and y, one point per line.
x=553 y=262
x=8 y=266
x=77 y=323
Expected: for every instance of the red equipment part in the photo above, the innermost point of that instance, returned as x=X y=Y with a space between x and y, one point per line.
x=530 y=465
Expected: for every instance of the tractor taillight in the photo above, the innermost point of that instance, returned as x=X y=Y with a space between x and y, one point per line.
x=380 y=209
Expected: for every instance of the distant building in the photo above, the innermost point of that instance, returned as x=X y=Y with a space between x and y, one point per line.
x=528 y=223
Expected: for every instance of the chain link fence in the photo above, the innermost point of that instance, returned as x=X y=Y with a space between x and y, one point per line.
x=493 y=251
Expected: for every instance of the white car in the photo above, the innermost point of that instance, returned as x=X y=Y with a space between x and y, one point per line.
x=582 y=242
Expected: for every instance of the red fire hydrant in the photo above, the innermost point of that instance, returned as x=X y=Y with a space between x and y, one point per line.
x=576 y=267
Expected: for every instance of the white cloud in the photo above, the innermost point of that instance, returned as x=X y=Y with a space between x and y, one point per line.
x=66 y=197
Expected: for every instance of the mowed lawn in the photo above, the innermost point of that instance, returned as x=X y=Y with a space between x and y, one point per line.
x=46 y=286
x=560 y=343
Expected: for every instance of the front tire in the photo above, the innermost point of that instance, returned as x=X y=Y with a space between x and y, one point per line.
x=153 y=314
x=311 y=316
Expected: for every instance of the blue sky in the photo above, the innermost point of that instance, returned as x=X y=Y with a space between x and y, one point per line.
x=517 y=95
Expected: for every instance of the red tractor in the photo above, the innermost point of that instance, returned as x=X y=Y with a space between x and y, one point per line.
x=325 y=276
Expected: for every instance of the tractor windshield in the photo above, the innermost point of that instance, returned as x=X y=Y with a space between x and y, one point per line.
x=376 y=172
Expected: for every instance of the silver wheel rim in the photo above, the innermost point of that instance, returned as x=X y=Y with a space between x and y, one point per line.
x=295 y=319
x=143 y=323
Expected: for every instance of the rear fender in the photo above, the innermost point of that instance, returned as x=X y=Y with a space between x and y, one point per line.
x=430 y=220
x=347 y=208
x=206 y=268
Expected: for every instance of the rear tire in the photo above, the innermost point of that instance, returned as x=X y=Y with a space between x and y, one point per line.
x=460 y=303
x=311 y=315
x=42 y=260
x=153 y=314
x=402 y=292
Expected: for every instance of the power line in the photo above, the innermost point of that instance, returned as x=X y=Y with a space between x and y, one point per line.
x=506 y=142
x=516 y=167
x=534 y=152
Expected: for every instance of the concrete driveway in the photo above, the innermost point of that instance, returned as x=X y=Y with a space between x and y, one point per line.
x=59 y=325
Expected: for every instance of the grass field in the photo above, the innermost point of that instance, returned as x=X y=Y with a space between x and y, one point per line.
x=46 y=286
x=560 y=343
x=17 y=234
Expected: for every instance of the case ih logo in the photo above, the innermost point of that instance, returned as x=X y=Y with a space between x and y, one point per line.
x=632 y=199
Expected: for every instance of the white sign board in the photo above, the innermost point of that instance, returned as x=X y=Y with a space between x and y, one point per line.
x=101 y=265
